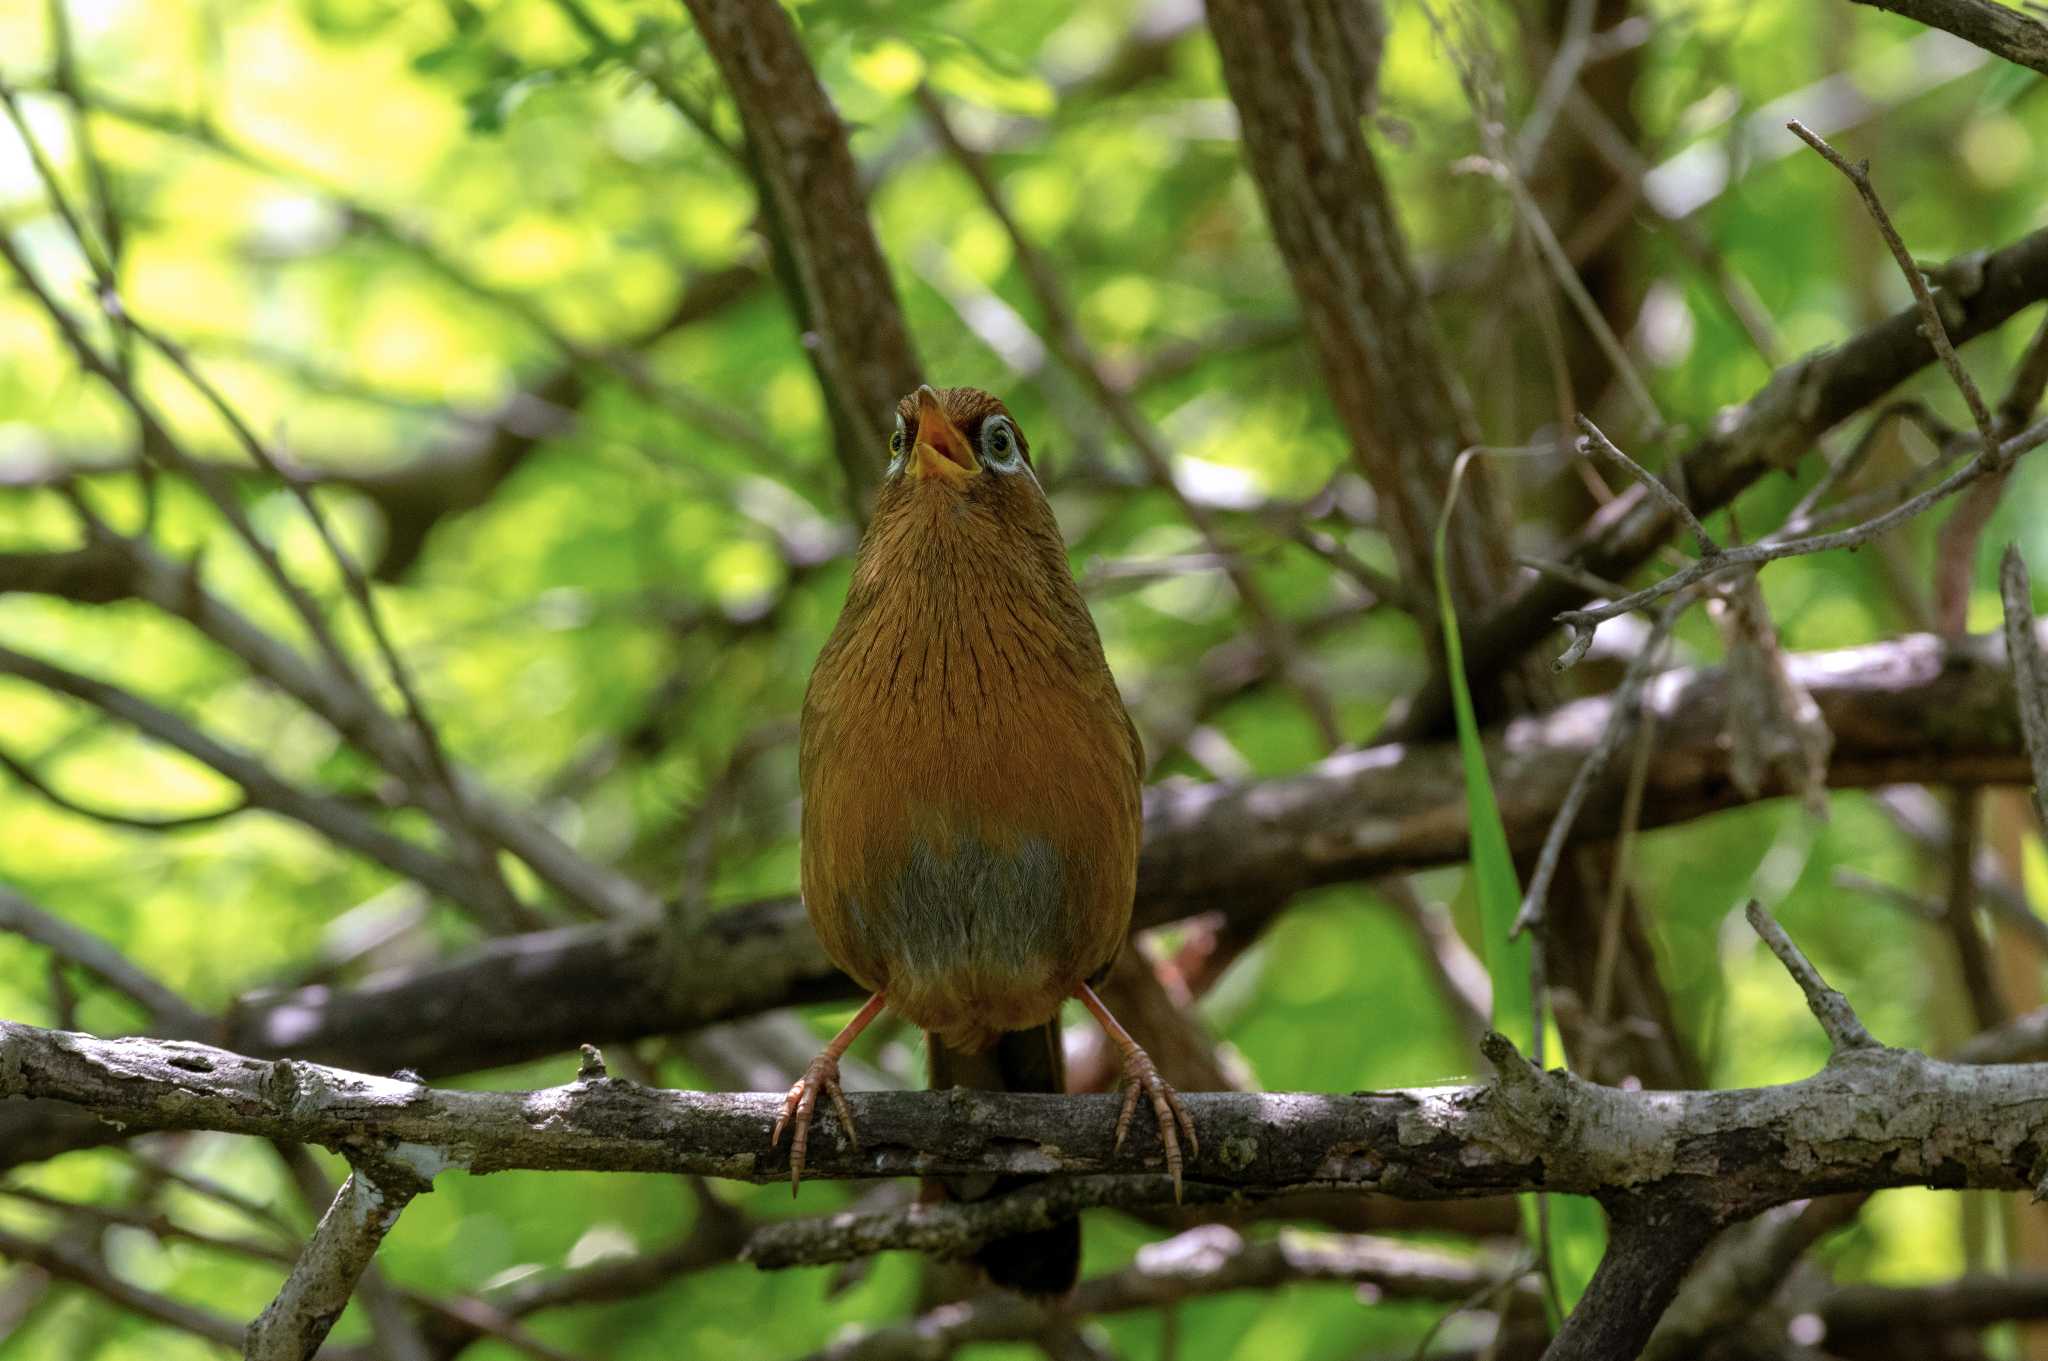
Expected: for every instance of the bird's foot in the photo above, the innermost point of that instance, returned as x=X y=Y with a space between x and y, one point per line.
x=798 y=1106
x=1140 y=1075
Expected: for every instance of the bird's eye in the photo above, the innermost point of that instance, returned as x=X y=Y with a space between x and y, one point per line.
x=898 y=442
x=999 y=445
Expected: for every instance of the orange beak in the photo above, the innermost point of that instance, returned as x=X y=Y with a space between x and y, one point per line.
x=940 y=450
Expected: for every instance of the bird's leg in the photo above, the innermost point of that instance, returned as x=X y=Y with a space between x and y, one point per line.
x=1139 y=1074
x=822 y=1075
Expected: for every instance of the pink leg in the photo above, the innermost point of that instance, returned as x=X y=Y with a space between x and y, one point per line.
x=822 y=1075
x=1141 y=1075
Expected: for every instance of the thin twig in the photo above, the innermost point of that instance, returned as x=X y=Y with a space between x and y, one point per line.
x=27 y=776
x=1596 y=440
x=1830 y=1008
x=1621 y=718
x=1930 y=312
x=1993 y=459
x=264 y=788
x=465 y=829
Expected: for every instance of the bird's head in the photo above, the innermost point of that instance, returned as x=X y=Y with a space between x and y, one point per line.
x=961 y=497
x=960 y=441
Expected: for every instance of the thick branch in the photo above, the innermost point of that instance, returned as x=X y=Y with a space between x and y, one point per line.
x=1301 y=77
x=1911 y=710
x=1770 y=432
x=1999 y=29
x=827 y=256
x=295 y=1323
x=1725 y=1153
x=1650 y=1247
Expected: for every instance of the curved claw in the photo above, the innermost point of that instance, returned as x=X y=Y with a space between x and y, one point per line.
x=1173 y=1118
x=801 y=1104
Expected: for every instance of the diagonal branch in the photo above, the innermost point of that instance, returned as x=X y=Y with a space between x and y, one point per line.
x=1772 y=431
x=297 y=1321
x=1999 y=29
x=826 y=255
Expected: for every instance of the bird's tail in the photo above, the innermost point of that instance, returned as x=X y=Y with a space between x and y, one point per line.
x=1043 y=1261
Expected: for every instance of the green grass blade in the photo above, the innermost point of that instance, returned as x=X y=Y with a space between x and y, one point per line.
x=1493 y=868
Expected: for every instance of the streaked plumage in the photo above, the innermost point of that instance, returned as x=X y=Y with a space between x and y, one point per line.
x=971 y=790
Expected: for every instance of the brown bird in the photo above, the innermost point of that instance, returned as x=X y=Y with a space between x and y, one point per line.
x=971 y=793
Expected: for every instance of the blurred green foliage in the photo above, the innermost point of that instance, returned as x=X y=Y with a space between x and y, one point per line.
x=370 y=220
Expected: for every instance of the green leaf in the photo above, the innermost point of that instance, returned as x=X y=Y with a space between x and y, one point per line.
x=1493 y=868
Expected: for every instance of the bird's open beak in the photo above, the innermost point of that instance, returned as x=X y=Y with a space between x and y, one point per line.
x=940 y=449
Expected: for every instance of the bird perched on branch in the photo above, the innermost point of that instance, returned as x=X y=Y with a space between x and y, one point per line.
x=971 y=793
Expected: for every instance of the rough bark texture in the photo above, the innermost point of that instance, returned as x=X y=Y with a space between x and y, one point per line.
x=297 y=1321
x=1302 y=78
x=1872 y=1118
x=1651 y=1244
x=827 y=257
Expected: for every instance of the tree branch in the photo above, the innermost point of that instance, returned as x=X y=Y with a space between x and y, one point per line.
x=831 y=266
x=1770 y=432
x=293 y=1325
x=1915 y=709
x=1999 y=29
x=1732 y=1152
x=2029 y=669
x=1202 y=1261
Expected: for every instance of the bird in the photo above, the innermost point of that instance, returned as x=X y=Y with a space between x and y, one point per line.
x=971 y=789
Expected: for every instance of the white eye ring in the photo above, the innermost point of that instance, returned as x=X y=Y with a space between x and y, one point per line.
x=899 y=448
x=999 y=445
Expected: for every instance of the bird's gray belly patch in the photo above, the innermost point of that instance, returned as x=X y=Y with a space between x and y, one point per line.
x=977 y=914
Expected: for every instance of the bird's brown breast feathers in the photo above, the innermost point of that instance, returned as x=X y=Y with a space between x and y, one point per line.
x=971 y=780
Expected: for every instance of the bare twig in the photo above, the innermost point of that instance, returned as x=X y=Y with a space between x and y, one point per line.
x=1932 y=325
x=504 y=910
x=1621 y=719
x=70 y=1262
x=1959 y=909
x=263 y=787
x=1202 y=1261
x=1830 y=1008
x=1770 y=431
x=1993 y=459
x=27 y=775
x=1595 y=440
